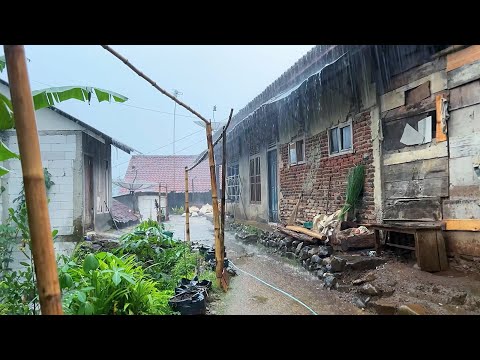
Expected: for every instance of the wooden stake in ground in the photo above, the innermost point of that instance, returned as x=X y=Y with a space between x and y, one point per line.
x=224 y=168
x=222 y=213
x=34 y=182
x=159 y=204
x=216 y=219
x=187 y=209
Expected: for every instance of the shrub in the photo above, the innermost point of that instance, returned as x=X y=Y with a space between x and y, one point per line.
x=106 y=284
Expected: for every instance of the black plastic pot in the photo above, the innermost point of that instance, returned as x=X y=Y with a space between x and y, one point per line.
x=210 y=255
x=193 y=285
x=189 y=303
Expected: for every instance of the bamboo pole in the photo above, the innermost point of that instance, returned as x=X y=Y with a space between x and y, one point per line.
x=216 y=222
x=153 y=83
x=34 y=182
x=224 y=163
x=160 y=204
x=214 y=144
x=187 y=209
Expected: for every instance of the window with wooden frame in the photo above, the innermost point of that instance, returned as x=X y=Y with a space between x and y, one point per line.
x=296 y=152
x=233 y=184
x=255 y=183
x=340 y=140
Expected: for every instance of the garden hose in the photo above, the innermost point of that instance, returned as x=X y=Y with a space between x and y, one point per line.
x=273 y=287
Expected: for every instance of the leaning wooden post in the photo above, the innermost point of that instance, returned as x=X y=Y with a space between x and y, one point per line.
x=34 y=182
x=216 y=220
x=160 y=204
x=224 y=170
x=187 y=209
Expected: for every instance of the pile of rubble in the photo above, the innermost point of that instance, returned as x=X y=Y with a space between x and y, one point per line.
x=314 y=255
x=381 y=285
x=205 y=210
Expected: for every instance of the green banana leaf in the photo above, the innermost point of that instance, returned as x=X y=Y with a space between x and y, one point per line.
x=6 y=113
x=48 y=97
x=51 y=96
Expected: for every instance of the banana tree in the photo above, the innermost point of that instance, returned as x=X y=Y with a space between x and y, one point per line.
x=44 y=98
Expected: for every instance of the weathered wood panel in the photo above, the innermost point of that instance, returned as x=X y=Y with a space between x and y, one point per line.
x=435 y=150
x=417 y=94
x=422 y=107
x=462 y=172
x=464 y=74
x=392 y=100
x=413 y=209
x=439 y=134
x=416 y=73
x=464 y=121
x=461 y=209
x=427 y=250
x=465 y=192
x=427 y=188
x=417 y=170
x=442 y=251
x=463 y=57
x=393 y=131
x=465 y=225
x=396 y=98
x=465 y=95
x=466 y=145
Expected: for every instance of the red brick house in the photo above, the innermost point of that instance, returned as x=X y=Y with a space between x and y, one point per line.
x=406 y=112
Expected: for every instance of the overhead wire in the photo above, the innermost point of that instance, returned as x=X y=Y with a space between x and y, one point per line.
x=153 y=110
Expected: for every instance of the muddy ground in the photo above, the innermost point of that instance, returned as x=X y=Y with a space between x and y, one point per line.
x=400 y=287
x=388 y=289
x=400 y=282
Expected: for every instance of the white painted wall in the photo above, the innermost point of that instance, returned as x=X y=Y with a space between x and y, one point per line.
x=146 y=206
x=58 y=153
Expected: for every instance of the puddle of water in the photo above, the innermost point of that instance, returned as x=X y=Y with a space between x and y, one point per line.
x=260 y=299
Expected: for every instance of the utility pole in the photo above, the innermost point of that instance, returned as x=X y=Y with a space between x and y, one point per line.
x=214 y=109
x=176 y=93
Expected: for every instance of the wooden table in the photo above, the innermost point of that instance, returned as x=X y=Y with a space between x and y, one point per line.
x=429 y=242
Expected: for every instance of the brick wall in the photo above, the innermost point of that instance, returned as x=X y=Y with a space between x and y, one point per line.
x=313 y=203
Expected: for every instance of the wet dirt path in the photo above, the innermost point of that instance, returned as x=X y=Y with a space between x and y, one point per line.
x=247 y=296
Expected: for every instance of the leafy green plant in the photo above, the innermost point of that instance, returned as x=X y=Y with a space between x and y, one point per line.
x=106 y=284
x=146 y=242
x=7 y=243
x=18 y=294
x=355 y=181
x=178 y=210
x=252 y=230
x=19 y=284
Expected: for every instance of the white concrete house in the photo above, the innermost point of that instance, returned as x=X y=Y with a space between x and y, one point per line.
x=78 y=157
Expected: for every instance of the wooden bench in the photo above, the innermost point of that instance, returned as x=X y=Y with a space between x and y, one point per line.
x=429 y=242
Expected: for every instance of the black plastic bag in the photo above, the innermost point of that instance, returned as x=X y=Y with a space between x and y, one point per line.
x=189 y=303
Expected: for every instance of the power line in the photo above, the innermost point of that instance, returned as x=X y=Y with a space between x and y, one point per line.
x=164 y=146
x=132 y=106
x=198 y=142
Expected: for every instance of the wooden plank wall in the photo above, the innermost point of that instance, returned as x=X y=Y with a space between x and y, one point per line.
x=415 y=177
x=462 y=208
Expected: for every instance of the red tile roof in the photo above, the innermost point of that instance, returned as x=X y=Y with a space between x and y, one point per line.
x=159 y=169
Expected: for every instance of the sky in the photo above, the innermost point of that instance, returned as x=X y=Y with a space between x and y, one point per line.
x=225 y=76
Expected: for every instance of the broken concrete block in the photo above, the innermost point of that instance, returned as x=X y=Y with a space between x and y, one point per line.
x=367 y=278
x=369 y=289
